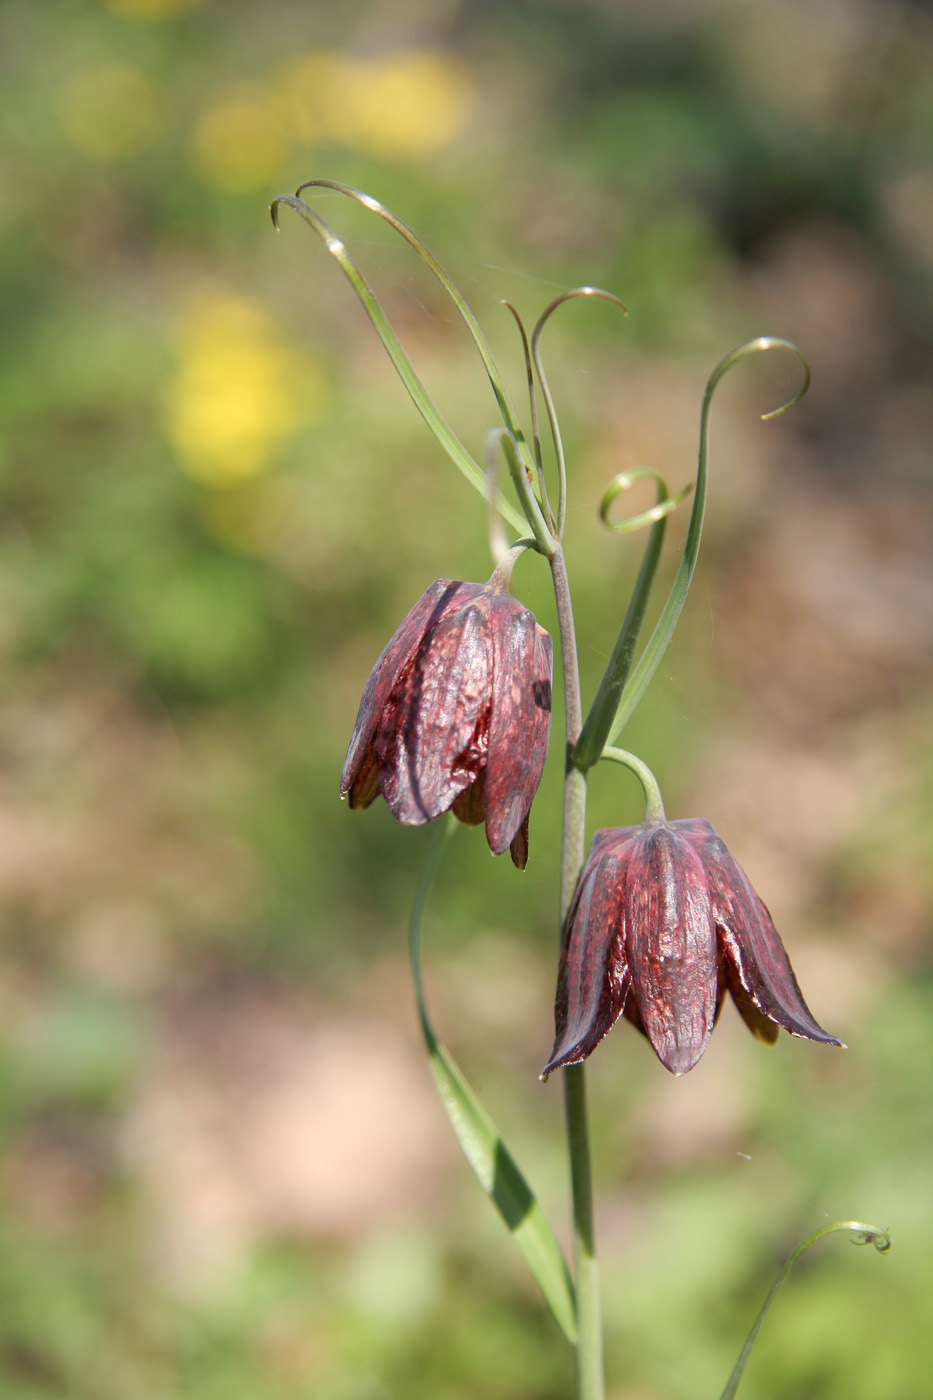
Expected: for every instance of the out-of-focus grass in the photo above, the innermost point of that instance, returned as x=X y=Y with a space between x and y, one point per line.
x=224 y=1171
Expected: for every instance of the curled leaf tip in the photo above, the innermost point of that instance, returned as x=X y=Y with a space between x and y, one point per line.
x=753 y=347
x=870 y=1234
x=861 y=1234
x=663 y=506
x=546 y=391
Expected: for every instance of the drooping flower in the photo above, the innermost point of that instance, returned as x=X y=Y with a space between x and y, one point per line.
x=663 y=923
x=456 y=715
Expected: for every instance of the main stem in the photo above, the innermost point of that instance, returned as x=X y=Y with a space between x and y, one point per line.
x=590 y=1383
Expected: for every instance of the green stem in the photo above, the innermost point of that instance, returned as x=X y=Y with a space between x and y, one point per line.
x=589 y=1355
x=654 y=807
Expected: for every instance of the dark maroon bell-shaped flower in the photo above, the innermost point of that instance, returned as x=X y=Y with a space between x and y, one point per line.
x=663 y=923
x=456 y=715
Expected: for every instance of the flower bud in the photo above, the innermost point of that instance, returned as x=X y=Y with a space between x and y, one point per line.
x=663 y=923
x=456 y=715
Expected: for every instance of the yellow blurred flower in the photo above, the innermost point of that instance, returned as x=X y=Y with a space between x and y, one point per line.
x=109 y=112
x=150 y=9
x=239 y=392
x=240 y=142
x=409 y=105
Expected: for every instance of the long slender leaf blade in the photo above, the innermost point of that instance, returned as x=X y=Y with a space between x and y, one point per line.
x=419 y=395
x=503 y=1181
x=494 y=1166
x=604 y=713
x=450 y=287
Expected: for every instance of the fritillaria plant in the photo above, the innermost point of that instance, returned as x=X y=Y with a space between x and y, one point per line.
x=659 y=922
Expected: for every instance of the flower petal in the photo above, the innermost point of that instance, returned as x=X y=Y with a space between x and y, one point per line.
x=671 y=945
x=518 y=847
x=364 y=787
x=760 y=1025
x=750 y=943
x=520 y=718
x=469 y=807
x=594 y=978
x=432 y=736
x=442 y=594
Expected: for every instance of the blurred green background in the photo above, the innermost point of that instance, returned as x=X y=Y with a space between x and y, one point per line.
x=225 y=1172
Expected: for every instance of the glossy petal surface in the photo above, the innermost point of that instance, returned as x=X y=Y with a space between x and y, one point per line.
x=663 y=924
x=671 y=944
x=520 y=718
x=433 y=734
x=456 y=715
x=750 y=943
x=594 y=979
x=356 y=778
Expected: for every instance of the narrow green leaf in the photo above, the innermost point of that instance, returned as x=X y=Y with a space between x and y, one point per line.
x=445 y=280
x=596 y=727
x=650 y=658
x=862 y=1234
x=419 y=395
x=482 y=1144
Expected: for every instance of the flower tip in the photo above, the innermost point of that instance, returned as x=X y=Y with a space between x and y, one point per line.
x=680 y=1064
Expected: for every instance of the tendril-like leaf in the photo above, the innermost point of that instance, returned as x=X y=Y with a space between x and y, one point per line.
x=542 y=321
x=623 y=482
x=417 y=391
x=650 y=658
x=862 y=1234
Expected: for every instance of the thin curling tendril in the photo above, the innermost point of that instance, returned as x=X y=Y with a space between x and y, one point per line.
x=623 y=686
x=623 y=482
x=542 y=321
x=753 y=347
x=862 y=1235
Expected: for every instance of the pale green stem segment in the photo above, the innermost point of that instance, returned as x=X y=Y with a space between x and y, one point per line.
x=589 y=1353
x=595 y=731
x=500 y=580
x=422 y=400
x=654 y=807
x=640 y=677
x=863 y=1234
x=482 y=1143
x=545 y=388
